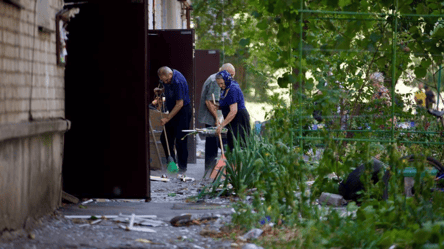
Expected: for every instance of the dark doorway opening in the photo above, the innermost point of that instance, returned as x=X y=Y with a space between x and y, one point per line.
x=106 y=79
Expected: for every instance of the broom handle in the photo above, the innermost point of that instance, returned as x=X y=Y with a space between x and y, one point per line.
x=165 y=132
x=155 y=142
x=220 y=137
x=166 y=138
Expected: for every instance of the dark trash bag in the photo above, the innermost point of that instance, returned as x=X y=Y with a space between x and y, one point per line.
x=349 y=188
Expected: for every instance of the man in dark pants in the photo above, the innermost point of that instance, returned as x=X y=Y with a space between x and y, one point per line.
x=209 y=115
x=178 y=105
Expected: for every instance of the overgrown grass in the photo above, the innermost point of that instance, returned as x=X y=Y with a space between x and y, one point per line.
x=277 y=174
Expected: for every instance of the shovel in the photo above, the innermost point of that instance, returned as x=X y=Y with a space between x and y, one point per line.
x=221 y=162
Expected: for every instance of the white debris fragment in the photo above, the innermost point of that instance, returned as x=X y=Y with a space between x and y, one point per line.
x=138 y=229
x=332 y=199
x=157 y=178
x=86 y=202
x=251 y=246
x=252 y=234
x=185 y=178
x=96 y=221
x=131 y=223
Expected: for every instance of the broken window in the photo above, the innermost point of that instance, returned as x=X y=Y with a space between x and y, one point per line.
x=62 y=20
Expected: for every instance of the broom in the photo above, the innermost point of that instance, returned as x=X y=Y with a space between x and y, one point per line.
x=221 y=162
x=171 y=165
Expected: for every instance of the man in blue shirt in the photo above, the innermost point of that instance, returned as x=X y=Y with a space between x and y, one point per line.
x=178 y=105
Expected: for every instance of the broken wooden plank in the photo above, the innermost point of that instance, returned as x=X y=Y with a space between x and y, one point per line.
x=108 y=216
x=138 y=229
x=70 y=198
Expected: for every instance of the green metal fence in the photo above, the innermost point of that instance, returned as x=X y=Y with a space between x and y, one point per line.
x=389 y=134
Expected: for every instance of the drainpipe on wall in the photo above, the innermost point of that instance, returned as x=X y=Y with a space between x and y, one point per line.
x=188 y=8
x=154 y=14
x=189 y=18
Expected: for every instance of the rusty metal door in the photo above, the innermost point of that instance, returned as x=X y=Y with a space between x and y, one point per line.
x=207 y=63
x=106 y=151
x=175 y=49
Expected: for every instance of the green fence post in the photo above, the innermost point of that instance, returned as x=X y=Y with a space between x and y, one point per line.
x=439 y=86
x=301 y=143
x=395 y=34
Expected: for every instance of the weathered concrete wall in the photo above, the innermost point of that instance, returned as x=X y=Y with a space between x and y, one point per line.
x=30 y=83
x=30 y=178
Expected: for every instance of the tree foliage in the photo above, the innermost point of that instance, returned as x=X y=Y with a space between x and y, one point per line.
x=351 y=45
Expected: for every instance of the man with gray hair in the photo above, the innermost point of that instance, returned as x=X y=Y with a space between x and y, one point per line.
x=177 y=101
x=209 y=115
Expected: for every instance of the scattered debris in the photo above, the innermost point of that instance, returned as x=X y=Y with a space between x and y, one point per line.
x=86 y=202
x=75 y=217
x=198 y=206
x=252 y=234
x=78 y=221
x=144 y=241
x=252 y=246
x=139 y=216
x=138 y=229
x=188 y=219
x=102 y=200
x=96 y=221
x=109 y=216
x=69 y=198
x=131 y=226
x=181 y=220
x=130 y=200
x=309 y=183
x=185 y=178
x=152 y=223
x=332 y=199
x=208 y=232
x=142 y=220
x=157 y=178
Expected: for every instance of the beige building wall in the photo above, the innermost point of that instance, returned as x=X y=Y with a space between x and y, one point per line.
x=31 y=113
x=29 y=76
